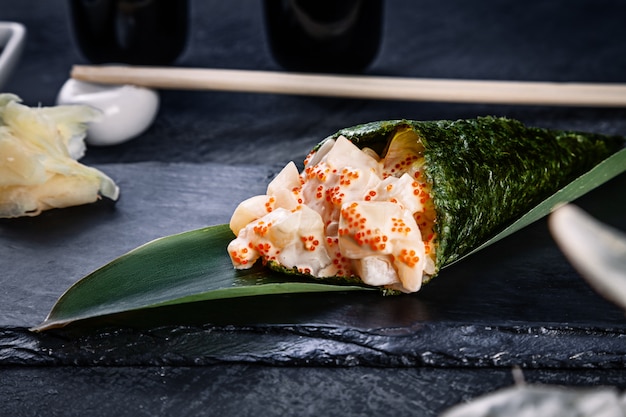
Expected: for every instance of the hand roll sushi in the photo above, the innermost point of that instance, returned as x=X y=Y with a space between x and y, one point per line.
x=390 y=203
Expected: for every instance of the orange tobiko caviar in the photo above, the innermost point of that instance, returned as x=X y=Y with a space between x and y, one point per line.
x=349 y=213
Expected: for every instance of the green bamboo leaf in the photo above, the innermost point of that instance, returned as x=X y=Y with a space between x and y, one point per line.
x=194 y=266
x=182 y=268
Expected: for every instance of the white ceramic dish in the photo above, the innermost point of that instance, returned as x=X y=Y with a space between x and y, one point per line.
x=127 y=111
x=12 y=39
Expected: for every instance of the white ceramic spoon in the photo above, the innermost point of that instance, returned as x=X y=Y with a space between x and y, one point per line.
x=127 y=111
x=596 y=250
x=543 y=401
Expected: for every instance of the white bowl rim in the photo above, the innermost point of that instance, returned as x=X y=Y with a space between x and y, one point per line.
x=12 y=39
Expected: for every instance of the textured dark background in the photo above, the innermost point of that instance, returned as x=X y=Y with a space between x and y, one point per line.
x=518 y=303
x=554 y=41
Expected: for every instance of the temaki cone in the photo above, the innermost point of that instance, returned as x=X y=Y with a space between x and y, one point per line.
x=410 y=198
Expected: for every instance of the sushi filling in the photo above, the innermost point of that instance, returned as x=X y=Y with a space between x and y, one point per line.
x=349 y=213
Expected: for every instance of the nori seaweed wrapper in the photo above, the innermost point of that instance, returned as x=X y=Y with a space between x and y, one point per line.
x=487 y=172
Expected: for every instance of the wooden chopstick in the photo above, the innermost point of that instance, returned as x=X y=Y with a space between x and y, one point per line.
x=360 y=86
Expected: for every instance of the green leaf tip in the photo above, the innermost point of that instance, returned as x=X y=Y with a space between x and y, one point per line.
x=182 y=268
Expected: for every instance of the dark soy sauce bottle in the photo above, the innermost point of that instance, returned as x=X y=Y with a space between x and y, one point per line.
x=324 y=35
x=141 y=32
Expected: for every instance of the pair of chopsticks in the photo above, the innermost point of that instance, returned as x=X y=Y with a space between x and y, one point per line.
x=360 y=86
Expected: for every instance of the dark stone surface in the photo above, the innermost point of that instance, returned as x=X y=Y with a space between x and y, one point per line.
x=517 y=303
x=495 y=308
x=250 y=390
